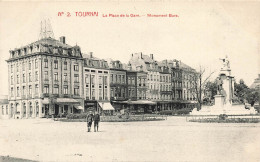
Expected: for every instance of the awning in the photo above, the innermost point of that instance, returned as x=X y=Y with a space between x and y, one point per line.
x=79 y=107
x=142 y=102
x=45 y=101
x=106 y=106
x=138 y=102
x=67 y=100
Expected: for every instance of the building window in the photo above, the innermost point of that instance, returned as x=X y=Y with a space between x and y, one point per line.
x=30 y=89
x=56 y=89
x=76 y=67
x=36 y=76
x=36 y=63
x=112 y=93
x=105 y=80
x=46 y=77
x=45 y=63
x=76 y=90
x=65 y=89
x=17 y=67
x=100 y=80
x=12 y=91
x=93 y=93
x=100 y=94
x=36 y=88
x=92 y=79
x=87 y=92
x=12 y=68
x=111 y=78
x=18 y=91
x=115 y=78
x=87 y=79
x=23 y=91
x=46 y=89
x=105 y=95
x=30 y=65
x=6 y=110
x=119 y=79
x=12 y=80
x=30 y=77
x=23 y=78
x=2 y=110
x=55 y=64
x=123 y=79
x=56 y=76
x=76 y=78
x=18 y=79
x=65 y=77
x=23 y=66
x=65 y=65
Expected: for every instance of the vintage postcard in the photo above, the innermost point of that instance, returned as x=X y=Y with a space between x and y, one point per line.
x=129 y=81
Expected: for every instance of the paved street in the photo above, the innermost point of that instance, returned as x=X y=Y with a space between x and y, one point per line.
x=170 y=140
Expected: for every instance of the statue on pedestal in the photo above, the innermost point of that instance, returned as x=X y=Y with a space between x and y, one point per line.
x=225 y=63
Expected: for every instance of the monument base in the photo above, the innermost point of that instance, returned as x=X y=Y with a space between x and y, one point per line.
x=226 y=109
x=223 y=107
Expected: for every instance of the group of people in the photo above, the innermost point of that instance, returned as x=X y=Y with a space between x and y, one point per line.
x=93 y=117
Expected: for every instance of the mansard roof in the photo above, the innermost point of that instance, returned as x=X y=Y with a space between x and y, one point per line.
x=48 y=46
x=52 y=42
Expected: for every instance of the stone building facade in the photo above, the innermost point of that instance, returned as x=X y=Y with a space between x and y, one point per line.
x=96 y=83
x=45 y=78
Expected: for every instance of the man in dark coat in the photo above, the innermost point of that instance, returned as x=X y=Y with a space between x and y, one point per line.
x=96 y=121
x=89 y=120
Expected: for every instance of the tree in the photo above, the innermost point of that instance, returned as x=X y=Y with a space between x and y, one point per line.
x=252 y=96
x=198 y=83
x=241 y=90
x=210 y=89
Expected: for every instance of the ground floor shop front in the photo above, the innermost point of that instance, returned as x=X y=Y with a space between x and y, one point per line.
x=146 y=106
x=45 y=107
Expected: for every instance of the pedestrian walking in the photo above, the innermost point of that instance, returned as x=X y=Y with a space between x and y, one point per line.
x=89 y=120
x=96 y=121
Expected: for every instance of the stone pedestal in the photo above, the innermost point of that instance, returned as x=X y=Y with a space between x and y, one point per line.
x=219 y=101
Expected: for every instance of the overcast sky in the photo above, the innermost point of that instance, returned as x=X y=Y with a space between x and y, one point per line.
x=203 y=32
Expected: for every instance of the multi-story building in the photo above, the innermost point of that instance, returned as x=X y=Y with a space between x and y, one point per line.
x=96 y=83
x=118 y=84
x=131 y=77
x=165 y=99
x=183 y=84
x=151 y=83
x=45 y=78
x=141 y=62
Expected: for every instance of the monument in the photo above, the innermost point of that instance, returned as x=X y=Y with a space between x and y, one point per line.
x=225 y=93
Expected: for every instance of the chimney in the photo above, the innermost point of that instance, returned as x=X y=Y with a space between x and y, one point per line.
x=91 y=54
x=151 y=56
x=63 y=39
x=141 y=55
